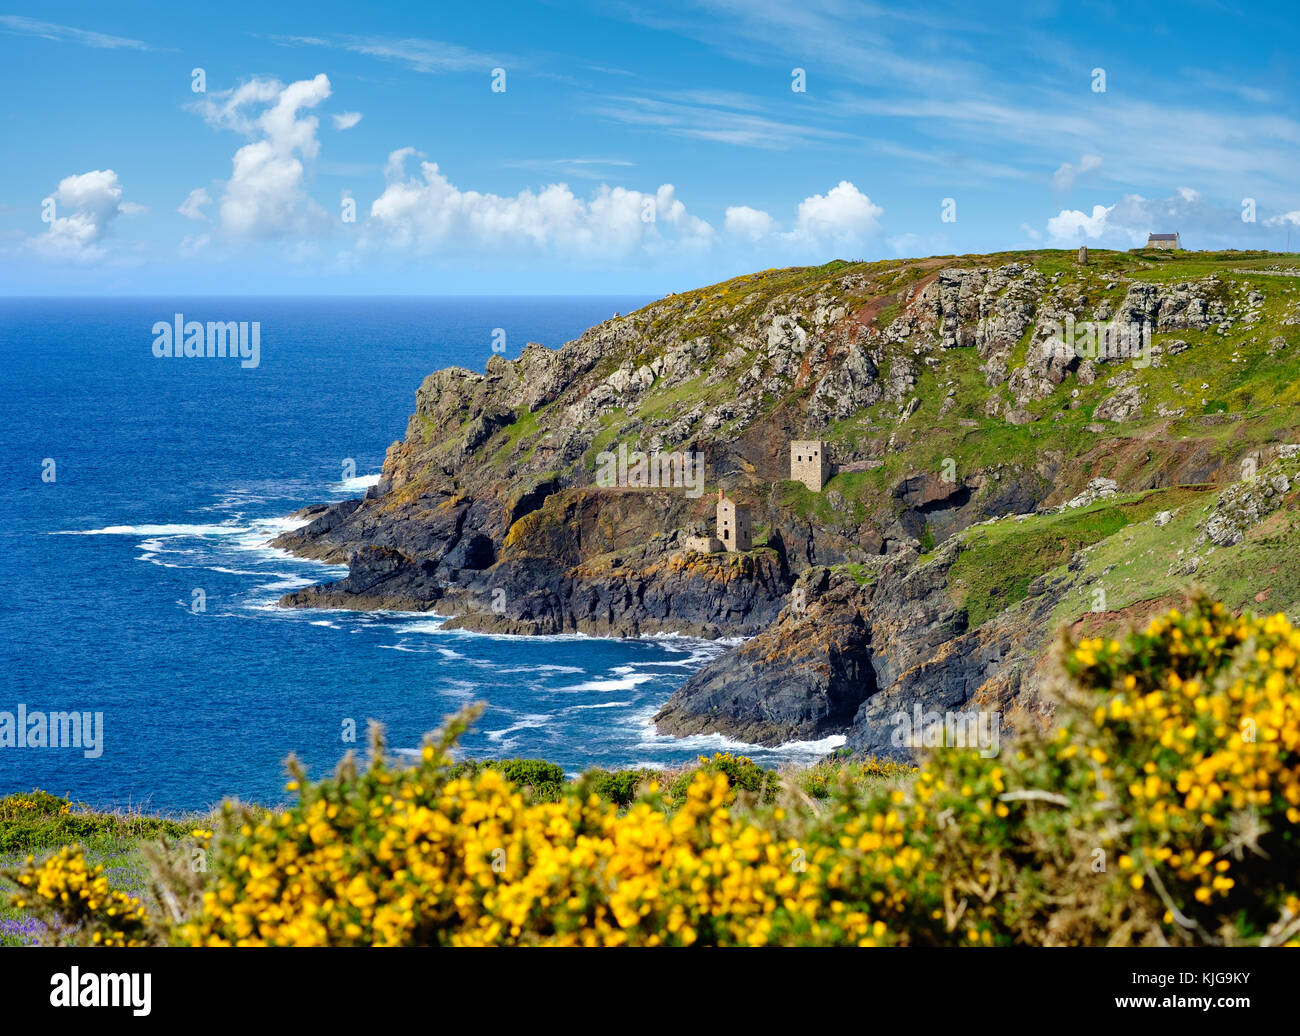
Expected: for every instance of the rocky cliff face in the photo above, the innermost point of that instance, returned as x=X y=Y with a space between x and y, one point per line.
x=803 y=677
x=860 y=653
x=948 y=400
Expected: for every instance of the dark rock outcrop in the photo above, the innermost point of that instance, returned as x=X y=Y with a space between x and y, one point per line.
x=802 y=678
x=379 y=578
x=854 y=656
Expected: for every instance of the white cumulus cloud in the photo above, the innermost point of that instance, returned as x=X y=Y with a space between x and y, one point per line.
x=749 y=224
x=843 y=217
x=1071 y=224
x=83 y=208
x=427 y=213
x=265 y=196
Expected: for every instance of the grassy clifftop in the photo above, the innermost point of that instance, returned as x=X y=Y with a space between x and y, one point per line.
x=1003 y=461
x=904 y=367
x=935 y=370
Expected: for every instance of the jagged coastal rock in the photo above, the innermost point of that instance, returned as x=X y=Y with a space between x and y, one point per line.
x=981 y=470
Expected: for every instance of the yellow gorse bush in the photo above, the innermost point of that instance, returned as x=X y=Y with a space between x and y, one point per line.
x=80 y=896
x=1195 y=742
x=1163 y=809
x=398 y=858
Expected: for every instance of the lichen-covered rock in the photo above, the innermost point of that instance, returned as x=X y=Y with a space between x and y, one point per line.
x=849 y=388
x=1124 y=404
x=1096 y=489
x=1192 y=306
x=1245 y=504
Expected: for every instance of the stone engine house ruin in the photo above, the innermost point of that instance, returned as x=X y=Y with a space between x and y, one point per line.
x=809 y=464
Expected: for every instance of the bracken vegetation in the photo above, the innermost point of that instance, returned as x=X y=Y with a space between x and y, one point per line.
x=1163 y=808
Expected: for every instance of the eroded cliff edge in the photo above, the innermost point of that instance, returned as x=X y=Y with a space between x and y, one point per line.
x=938 y=561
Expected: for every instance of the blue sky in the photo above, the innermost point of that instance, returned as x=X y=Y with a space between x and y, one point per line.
x=634 y=148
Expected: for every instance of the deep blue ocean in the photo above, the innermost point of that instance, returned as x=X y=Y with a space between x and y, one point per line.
x=169 y=476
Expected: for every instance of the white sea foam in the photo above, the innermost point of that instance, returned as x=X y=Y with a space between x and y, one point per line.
x=425 y=625
x=542 y=669
x=695 y=658
x=461 y=690
x=818 y=747
x=154 y=530
x=622 y=683
x=280 y=523
x=705 y=743
x=236 y=500
x=258 y=534
x=723 y=641
x=286 y=581
x=528 y=722
x=600 y=705
x=253 y=537
x=240 y=539
x=355 y=485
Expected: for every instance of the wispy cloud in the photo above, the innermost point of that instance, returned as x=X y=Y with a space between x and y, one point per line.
x=958 y=166
x=1143 y=141
x=580 y=168
x=1225 y=84
x=1023 y=102
x=861 y=42
x=1067 y=172
x=433 y=57
x=711 y=122
x=19 y=26
x=608 y=70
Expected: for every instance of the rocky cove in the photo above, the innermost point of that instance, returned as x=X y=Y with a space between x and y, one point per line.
x=979 y=480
